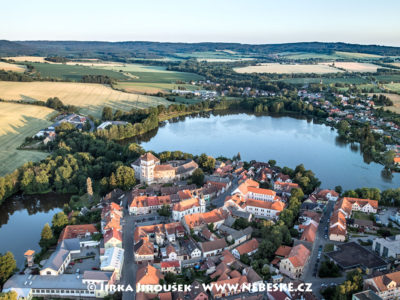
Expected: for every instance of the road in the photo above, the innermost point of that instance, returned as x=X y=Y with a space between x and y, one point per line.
x=320 y=240
x=219 y=201
x=129 y=268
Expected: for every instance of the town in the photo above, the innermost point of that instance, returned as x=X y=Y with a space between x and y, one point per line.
x=238 y=224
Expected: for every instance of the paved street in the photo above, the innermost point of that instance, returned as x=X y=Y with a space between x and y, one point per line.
x=129 y=268
x=219 y=201
x=320 y=240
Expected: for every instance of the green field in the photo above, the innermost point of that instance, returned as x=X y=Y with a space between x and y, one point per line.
x=151 y=79
x=18 y=121
x=394 y=87
x=214 y=56
x=73 y=72
x=388 y=78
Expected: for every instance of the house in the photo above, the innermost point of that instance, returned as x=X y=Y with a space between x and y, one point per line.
x=294 y=264
x=59 y=260
x=191 y=248
x=142 y=204
x=386 y=286
x=198 y=221
x=173 y=266
x=343 y=210
x=77 y=231
x=220 y=288
x=197 y=292
x=309 y=233
x=258 y=208
x=208 y=235
x=242 y=189
x=236 y=236
x=171 y=253
x=159 y=233
x=212 y=248
x=112 y=261
x=249 y=248
x=186 y=207
x=148 y=275
x=112 y=238
x=285 y=187
x=252 y=277
x=56 y=263
x=327 y=195
x=144 y=251
x=366 y=295
x=387 y=247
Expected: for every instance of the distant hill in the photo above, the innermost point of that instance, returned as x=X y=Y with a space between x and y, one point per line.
x=142 y=49
x=15 y=48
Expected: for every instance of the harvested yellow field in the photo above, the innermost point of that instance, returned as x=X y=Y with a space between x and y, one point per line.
x=355 y=66
x=95 y=64
x=396 y=101
x=90 y=97
x=18 y=121
x=287 y=68
x=38 y=59
x=397 y=64
x=11 y=67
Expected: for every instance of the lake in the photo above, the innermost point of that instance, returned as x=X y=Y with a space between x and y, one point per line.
x=289 y=141
x=22 y=221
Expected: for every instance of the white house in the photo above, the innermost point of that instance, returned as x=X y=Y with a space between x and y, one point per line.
x=188 y=207
x=212 y=248
x=249 y=248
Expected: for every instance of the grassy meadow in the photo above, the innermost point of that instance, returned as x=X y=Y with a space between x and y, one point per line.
x=18 y=121
x=73 y=72
x=151 y=79
x=89 y=97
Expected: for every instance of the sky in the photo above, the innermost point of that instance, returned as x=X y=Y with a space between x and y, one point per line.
x=246 y=21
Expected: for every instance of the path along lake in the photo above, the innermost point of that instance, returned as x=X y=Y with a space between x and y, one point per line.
x=288 y=140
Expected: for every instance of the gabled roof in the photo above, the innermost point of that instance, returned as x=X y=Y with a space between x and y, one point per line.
x=149 y=157
x=73 y=231
x=309 y=233
x=148 y=274
x=255 y=190
x=112 y=233
x=144 y=247
x=283 y=251
x=298 y=255
x=247 y=247
x=213 y=245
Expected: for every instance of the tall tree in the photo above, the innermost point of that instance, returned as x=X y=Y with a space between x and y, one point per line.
x=125 y=177
x=7 y=266
x=47 y=233
x=89 y=187
x=107 y=114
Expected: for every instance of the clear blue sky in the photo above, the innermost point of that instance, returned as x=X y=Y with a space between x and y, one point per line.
x=246 y=21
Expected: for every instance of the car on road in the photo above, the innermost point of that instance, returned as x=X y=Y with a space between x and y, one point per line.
x=326 y=236
x=77 y=271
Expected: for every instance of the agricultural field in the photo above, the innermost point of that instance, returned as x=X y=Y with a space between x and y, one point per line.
x=355 y=55
x=150 y=88
x=344 y=80
x=223 y=55
x=396 y=64
x=89 y=97
x=394 y=87
x=334 y=56
x=288 y=68
x=355 y=66
x=12 y=67
x=37 y=59
x=73 y=72
x=151 y=79
x=18 y=121
x=396 y=101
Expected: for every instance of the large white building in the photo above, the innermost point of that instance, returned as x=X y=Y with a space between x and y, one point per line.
x=112 y=260
x=188 y=207
x=149 y=170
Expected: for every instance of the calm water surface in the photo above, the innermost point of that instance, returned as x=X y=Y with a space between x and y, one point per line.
x=22 y=220
x=288 y=140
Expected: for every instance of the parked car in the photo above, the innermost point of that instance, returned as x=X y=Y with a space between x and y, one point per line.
x=77 y=271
